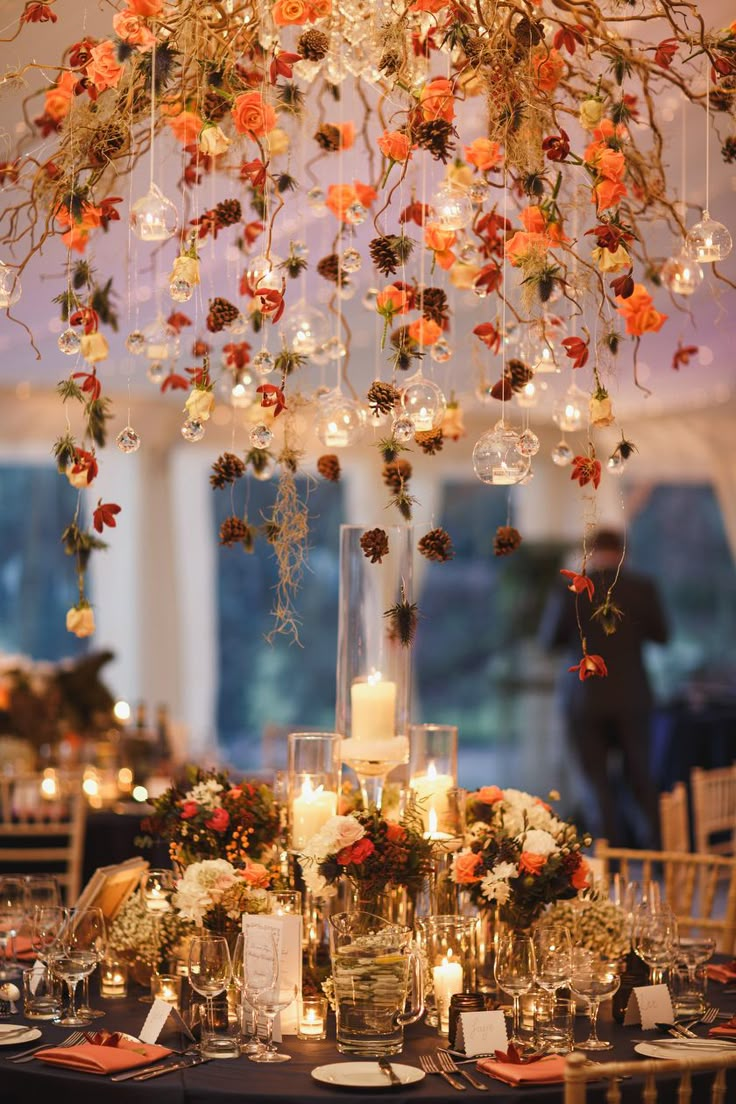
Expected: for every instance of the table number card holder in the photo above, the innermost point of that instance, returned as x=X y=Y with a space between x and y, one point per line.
x=481 y=1033
x=288 y=929
x=164 y=1019
x=649 y=1005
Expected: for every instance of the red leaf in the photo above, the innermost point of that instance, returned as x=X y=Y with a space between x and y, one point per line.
x=86 y=317
x=91 y=385
x=105 y=515
x=255 y=172
x=586 y=469
x=415 y=212
x=271 y=395
x=569 y=37
x=664 y=53
x=489 y=335
x=577 y=350
x=174 y=382
x=623 y=286
x=178 y=321
x=281 y=66
x=682 y=355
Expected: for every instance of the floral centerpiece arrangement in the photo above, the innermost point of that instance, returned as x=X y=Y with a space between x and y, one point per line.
x=209 y=817
x=519 y=856
x=375 y=854
x=214 y=894
x=133 y=936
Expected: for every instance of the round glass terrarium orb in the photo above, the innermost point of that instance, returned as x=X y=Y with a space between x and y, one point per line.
x=263 y=273
x=162 y=340
x=681 y=274
x=708 y=241
x=452 y=208
x=498 y=458
x=570 y=411
x=153 y=217
x=340 y=420
x=424 y=402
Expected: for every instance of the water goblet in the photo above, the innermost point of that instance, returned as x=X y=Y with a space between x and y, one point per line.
x=90 y=927
x=73 y=957
x=210 y=971
x=594 y=981
x=41 y=889
x=249 y=1041
x=553 y=957
x=514 y=972
x=654 y=940
x=265 y=988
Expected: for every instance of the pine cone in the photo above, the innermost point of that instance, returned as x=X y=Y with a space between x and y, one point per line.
x=382 y=397
x=329 y=268
x=236 y=531
x=384 y=256
x=476 y=49
x=430 y=441
x=396 y=474
x=221 y=314
x=313 y=45
x=226 y=469
x=228 y=212
x=432 y=302
x=506 y=540
x=437 y=545
x=374 y=543
x=327 y=137
x=518 y=374
x=436 y=135
x=390 y=62
x=328 y=467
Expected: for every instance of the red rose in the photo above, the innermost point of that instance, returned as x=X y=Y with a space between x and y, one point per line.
x=219 y=820
x=394 y=832
x=357 y=853
x=189 y=810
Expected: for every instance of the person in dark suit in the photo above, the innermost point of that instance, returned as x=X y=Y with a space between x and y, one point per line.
x=612 y=713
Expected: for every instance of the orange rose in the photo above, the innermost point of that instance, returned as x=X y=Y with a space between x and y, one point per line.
x=185 y=125
x=489 y=795
x=391 y=301
x=342 y=196
x=533 y=220
x=611 y=164
x=424 y=331
x=530 y=863
x=638 y=312
x=290 y=13
x=365 y=193
x=431 y=6
x=252 y=115
x=436 y=100
x=484 y=154
x=522 y=246
x=580 y=875
x=465 y=867
x=394 y=145
x=257 y=876
x=394 y=832
x=130 y=28
x=608 y=129
x=548 y=68
x=76 y=238
x=146 y=7
x=438 y=239
x=320 y=9
x=58 y=99
x=347 y=134
x=609 y=193
x=103 y=70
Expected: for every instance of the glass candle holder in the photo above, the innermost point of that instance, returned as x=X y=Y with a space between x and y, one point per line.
x=113 y=978
x=167 y=987
x=448 y=944
x=433 y=777
x=313 y=783
x=285 y=902
x=312 y=1018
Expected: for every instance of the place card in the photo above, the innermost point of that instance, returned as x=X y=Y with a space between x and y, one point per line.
x=37 y=973
x=288 y=931
x=161 y=1013
x=481 y=1033
x=649 y=1005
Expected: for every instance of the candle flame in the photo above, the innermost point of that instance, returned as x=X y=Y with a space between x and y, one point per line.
x=431 y=769
x=432 y=822
x=374 y=677
x=310 y=792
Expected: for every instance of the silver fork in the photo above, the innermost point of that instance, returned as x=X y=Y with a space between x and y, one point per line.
x=447 y=1063
x=430 y=1066
x=709 y=1016
x=29 y=1055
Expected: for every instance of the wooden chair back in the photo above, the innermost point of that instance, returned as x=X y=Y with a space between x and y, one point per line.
x=674 y=821
x=700 y=889
x=674 y=1076
x=42 y=829
x=714 y=809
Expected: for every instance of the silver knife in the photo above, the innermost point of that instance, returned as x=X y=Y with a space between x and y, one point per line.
x=190 y=1064
x=385 y=1067
x=129 y=1074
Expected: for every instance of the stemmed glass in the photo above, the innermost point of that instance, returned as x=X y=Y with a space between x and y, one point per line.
x=594 y=982
x=265 y=988
x=93 y=919
x=12 y=915
x=74 y=957
x=553 y=957
x=654 y=939
x=209 y=974
x=47 y=924
x=249 y=1041
x=41 y=889
x=696 y=952
x=156 y=889
x=514 y=971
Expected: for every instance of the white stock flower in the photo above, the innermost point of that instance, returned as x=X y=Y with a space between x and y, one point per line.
x=539 y=842
x=206 y=794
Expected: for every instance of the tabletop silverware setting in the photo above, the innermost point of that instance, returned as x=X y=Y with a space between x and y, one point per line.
x=430 y=1065
x=29 y=1055
x=385 y=1067
x=450 y=1066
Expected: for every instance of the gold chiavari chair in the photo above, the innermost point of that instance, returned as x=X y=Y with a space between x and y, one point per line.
x=677 y=1073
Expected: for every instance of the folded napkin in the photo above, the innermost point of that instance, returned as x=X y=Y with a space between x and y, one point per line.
x=723 y=971
x=546 y=1071
x=23 y=949
x=98 y=1058
x=726 y=1030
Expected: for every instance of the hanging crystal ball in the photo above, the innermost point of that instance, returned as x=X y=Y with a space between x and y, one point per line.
x=128 y=440
x=570 y=411
x=440 y=351
x=346 y=289
x=181 y=291
x=351 y=260
x=135 y=342
x=153 y=217
x=340 y=420
x=615 y=464
x=708 y=241
x=316 y=200
x=260 y=436
x=452 y=208
x=369 y=299
x=356 y=214
x=682 y=275
x=479 y=192
x=192 y=430
x=403 y=429
x=562 y=454
x=10 y=286
x=264 y=362
x=155 y=371
x=300 y=249
x=69 y=342
x=498 y=459
x=529 y=443
x=334 y=348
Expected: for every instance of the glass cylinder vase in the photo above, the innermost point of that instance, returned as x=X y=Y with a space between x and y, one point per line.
x=448 y=944
x=433 y=777
x=313 y=783
x=373 y=691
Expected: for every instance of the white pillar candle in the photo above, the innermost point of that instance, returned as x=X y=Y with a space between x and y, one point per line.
x=433 y=790
x=448 y=980
x=310 y=810
x=373 y=710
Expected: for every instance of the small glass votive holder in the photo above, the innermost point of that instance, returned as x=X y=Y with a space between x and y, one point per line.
x=167 y=987
x=312 y=1018
x=113 y=978
x=41 y=993
x=285 y=902
x=554 y=1023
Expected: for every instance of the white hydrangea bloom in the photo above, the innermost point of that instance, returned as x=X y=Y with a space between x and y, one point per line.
x=539 y=842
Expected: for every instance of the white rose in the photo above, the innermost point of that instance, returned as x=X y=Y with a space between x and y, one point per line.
x=185 y=268
x=591 y=113
x=611 y=262
x=212 y=141
x=348 y=831
x=94 y=347
x=601 y=412
x=539 y=842
x=278 y=141
x=80 y=620
x=463 y=275
x=200 y=404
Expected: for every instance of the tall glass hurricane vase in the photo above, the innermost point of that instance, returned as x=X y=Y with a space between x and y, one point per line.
x=373 y=662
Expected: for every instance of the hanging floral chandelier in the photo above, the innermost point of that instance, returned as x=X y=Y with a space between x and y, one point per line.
x=489 y=172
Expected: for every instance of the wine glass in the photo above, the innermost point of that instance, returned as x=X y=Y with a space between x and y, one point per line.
x=250 y=1043
x=90 y=929
x=47 y=924
x=157 y=887
x=514 y=971
x=73 y=957
x=210 y=971
x=553 y=957
x=265 y=987
x=654 y=939
x=594 y=981
x=41 y=889
x=12 y=915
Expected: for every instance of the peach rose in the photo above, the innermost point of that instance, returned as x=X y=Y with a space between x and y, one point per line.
x=80 y=620
x=290 y=13
x=522 y=246
x=58 y=99
x=347 y=134
x=437 y=239
x=580 y=876
x=212 y=141
x=185 y=125
x=533 y=220
x=609 y=193
x=103 y=70
x=76 y=238
x=607 y=129
x=611 y=164
x=342 y=196
x=94 y=347
x=489 y=795
x=146 y=7
x=394 y=145
x=463 y=275
x=548 y=68
x=130 y=28
x=484 y=154
x=436 y=100
x=257 y=875
x=465 y=868
x=252 y=115
x=424 y=331
x=320 y=9
x=391 y=301
x=531 y=863
x=639 y=314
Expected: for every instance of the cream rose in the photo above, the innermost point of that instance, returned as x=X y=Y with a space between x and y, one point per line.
x=611 y=262
x=200 y=404
x=601 y=412
x=213 y=142
x=463 y=275
x=94 y=347
x=185 y=268
x=460 y=174
x=80 y=620
x=591 y=113
x=277 y=141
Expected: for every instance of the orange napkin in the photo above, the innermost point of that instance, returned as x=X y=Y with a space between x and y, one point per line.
x=727 y=1029
x=546 y=1071
x=93 y=1058
x=723 y=972
x=23 y=948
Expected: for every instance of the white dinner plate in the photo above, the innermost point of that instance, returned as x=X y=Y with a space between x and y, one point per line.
x=365 y=1075
x=28 y=1035
x=685 y=1049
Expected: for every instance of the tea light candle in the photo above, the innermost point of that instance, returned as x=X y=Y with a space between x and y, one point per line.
x=113 y=979
x=167 y=987
x=313 y=1018
x=310 y=811
x=448 y=980
x=432 y=790
x=156 y=899
x=432 y=833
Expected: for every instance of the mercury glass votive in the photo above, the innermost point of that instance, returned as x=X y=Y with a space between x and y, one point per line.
x=113 y=978
x=312 y=1018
